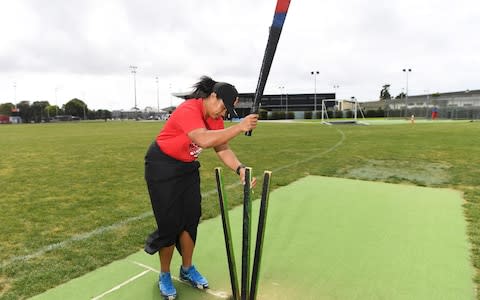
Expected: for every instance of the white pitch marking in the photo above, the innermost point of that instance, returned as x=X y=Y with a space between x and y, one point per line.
x=218 y=294
x=121 y=285
x=75 y=238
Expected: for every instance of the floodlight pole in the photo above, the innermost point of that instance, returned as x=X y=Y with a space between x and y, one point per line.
x=170 y=92
x=56 y=101
x=286 y=105
x=426 y=103
x=158 y=101
x=335 y=107
x=315 y=73
x=84 y=106
x=134 y=72
x=406 y=91
x=15 y=92
x=355 y=111
x=335 y=88
x=282 y=89
x=281 y=94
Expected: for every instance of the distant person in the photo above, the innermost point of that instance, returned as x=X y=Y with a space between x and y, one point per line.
x=434 y=113
x=172 y=175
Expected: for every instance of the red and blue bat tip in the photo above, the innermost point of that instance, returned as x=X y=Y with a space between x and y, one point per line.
x=280 y=13
x=282 y=6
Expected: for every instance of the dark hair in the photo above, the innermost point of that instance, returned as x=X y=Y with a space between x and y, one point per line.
x=203 y=88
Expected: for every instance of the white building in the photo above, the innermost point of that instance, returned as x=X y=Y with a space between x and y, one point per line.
x=452 y=105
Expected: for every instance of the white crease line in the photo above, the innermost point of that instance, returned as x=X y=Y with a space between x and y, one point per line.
x=121 y=285
x=100 y=230
x=78 y=237
x=145 y=266
x=218 y=294
x=314 y=156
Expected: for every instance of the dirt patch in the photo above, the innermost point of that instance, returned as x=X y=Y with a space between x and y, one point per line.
x=5 y=285
x=418 y=172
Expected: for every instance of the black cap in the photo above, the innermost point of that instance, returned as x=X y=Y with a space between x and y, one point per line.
x=228 y=93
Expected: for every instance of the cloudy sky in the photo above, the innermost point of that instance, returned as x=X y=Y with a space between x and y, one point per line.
x=57 y=50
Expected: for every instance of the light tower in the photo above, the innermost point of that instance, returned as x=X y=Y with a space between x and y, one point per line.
x=315 y=73
x=133 y=69
x=406 y=90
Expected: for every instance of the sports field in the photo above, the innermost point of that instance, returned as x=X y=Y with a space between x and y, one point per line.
x=73 y=199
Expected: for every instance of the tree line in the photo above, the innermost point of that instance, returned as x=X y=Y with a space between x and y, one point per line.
x=385 y=93
x=43 y=111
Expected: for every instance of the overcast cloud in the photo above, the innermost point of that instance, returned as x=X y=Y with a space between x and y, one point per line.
x=57 y=50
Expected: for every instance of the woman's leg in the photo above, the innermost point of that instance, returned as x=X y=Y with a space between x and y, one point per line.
x=187 y=246
x=165 y=284
x=192 y=211
x=188 y=272
x=165 y=255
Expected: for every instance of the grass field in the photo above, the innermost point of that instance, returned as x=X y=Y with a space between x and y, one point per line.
x=73 y=195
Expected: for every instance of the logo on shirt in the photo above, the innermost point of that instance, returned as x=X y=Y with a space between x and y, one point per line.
x=195 y=150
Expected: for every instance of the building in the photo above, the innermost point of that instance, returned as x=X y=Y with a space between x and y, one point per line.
x=298 y=103
x=125 y=114
x=15 y=120
x=148 y=113
x=283 y=102
x=451 y=105
x=4 y=119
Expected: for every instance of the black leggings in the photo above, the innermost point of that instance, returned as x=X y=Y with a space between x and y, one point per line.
x=174 y=189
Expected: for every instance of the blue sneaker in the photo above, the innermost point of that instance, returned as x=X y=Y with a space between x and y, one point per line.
x=166 y=287
x=192 y=276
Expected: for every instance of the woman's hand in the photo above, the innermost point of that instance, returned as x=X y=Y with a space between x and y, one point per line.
x=253 y=183
x=249 y=122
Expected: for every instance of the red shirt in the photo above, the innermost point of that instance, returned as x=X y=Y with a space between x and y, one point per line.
x=173 y=138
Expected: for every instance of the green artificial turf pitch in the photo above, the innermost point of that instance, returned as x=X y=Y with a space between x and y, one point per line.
x=326 y=238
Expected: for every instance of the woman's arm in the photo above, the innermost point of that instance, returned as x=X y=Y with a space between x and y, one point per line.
x=212 y=138
x=228 y=157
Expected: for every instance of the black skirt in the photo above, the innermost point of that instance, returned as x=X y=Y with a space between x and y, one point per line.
x=174 y=189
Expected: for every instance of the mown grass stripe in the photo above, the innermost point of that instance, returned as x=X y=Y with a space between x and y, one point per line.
x=103 y=229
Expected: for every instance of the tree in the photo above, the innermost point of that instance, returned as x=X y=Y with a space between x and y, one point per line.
x=39 y=111
x=400 y=96
x=384 y=93
x=76 y=107
x=26 y=112
x=52 y=110
x=103 y=114
x=6 y=108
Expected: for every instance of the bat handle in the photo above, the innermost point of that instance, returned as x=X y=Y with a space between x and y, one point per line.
x=253 y=111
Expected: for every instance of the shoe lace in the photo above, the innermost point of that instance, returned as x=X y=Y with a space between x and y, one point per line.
x=195 y=275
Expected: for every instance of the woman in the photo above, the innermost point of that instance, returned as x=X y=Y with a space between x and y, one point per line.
x=173 y=181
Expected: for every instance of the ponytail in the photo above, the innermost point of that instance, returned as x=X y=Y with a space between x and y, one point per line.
x=203 y=88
